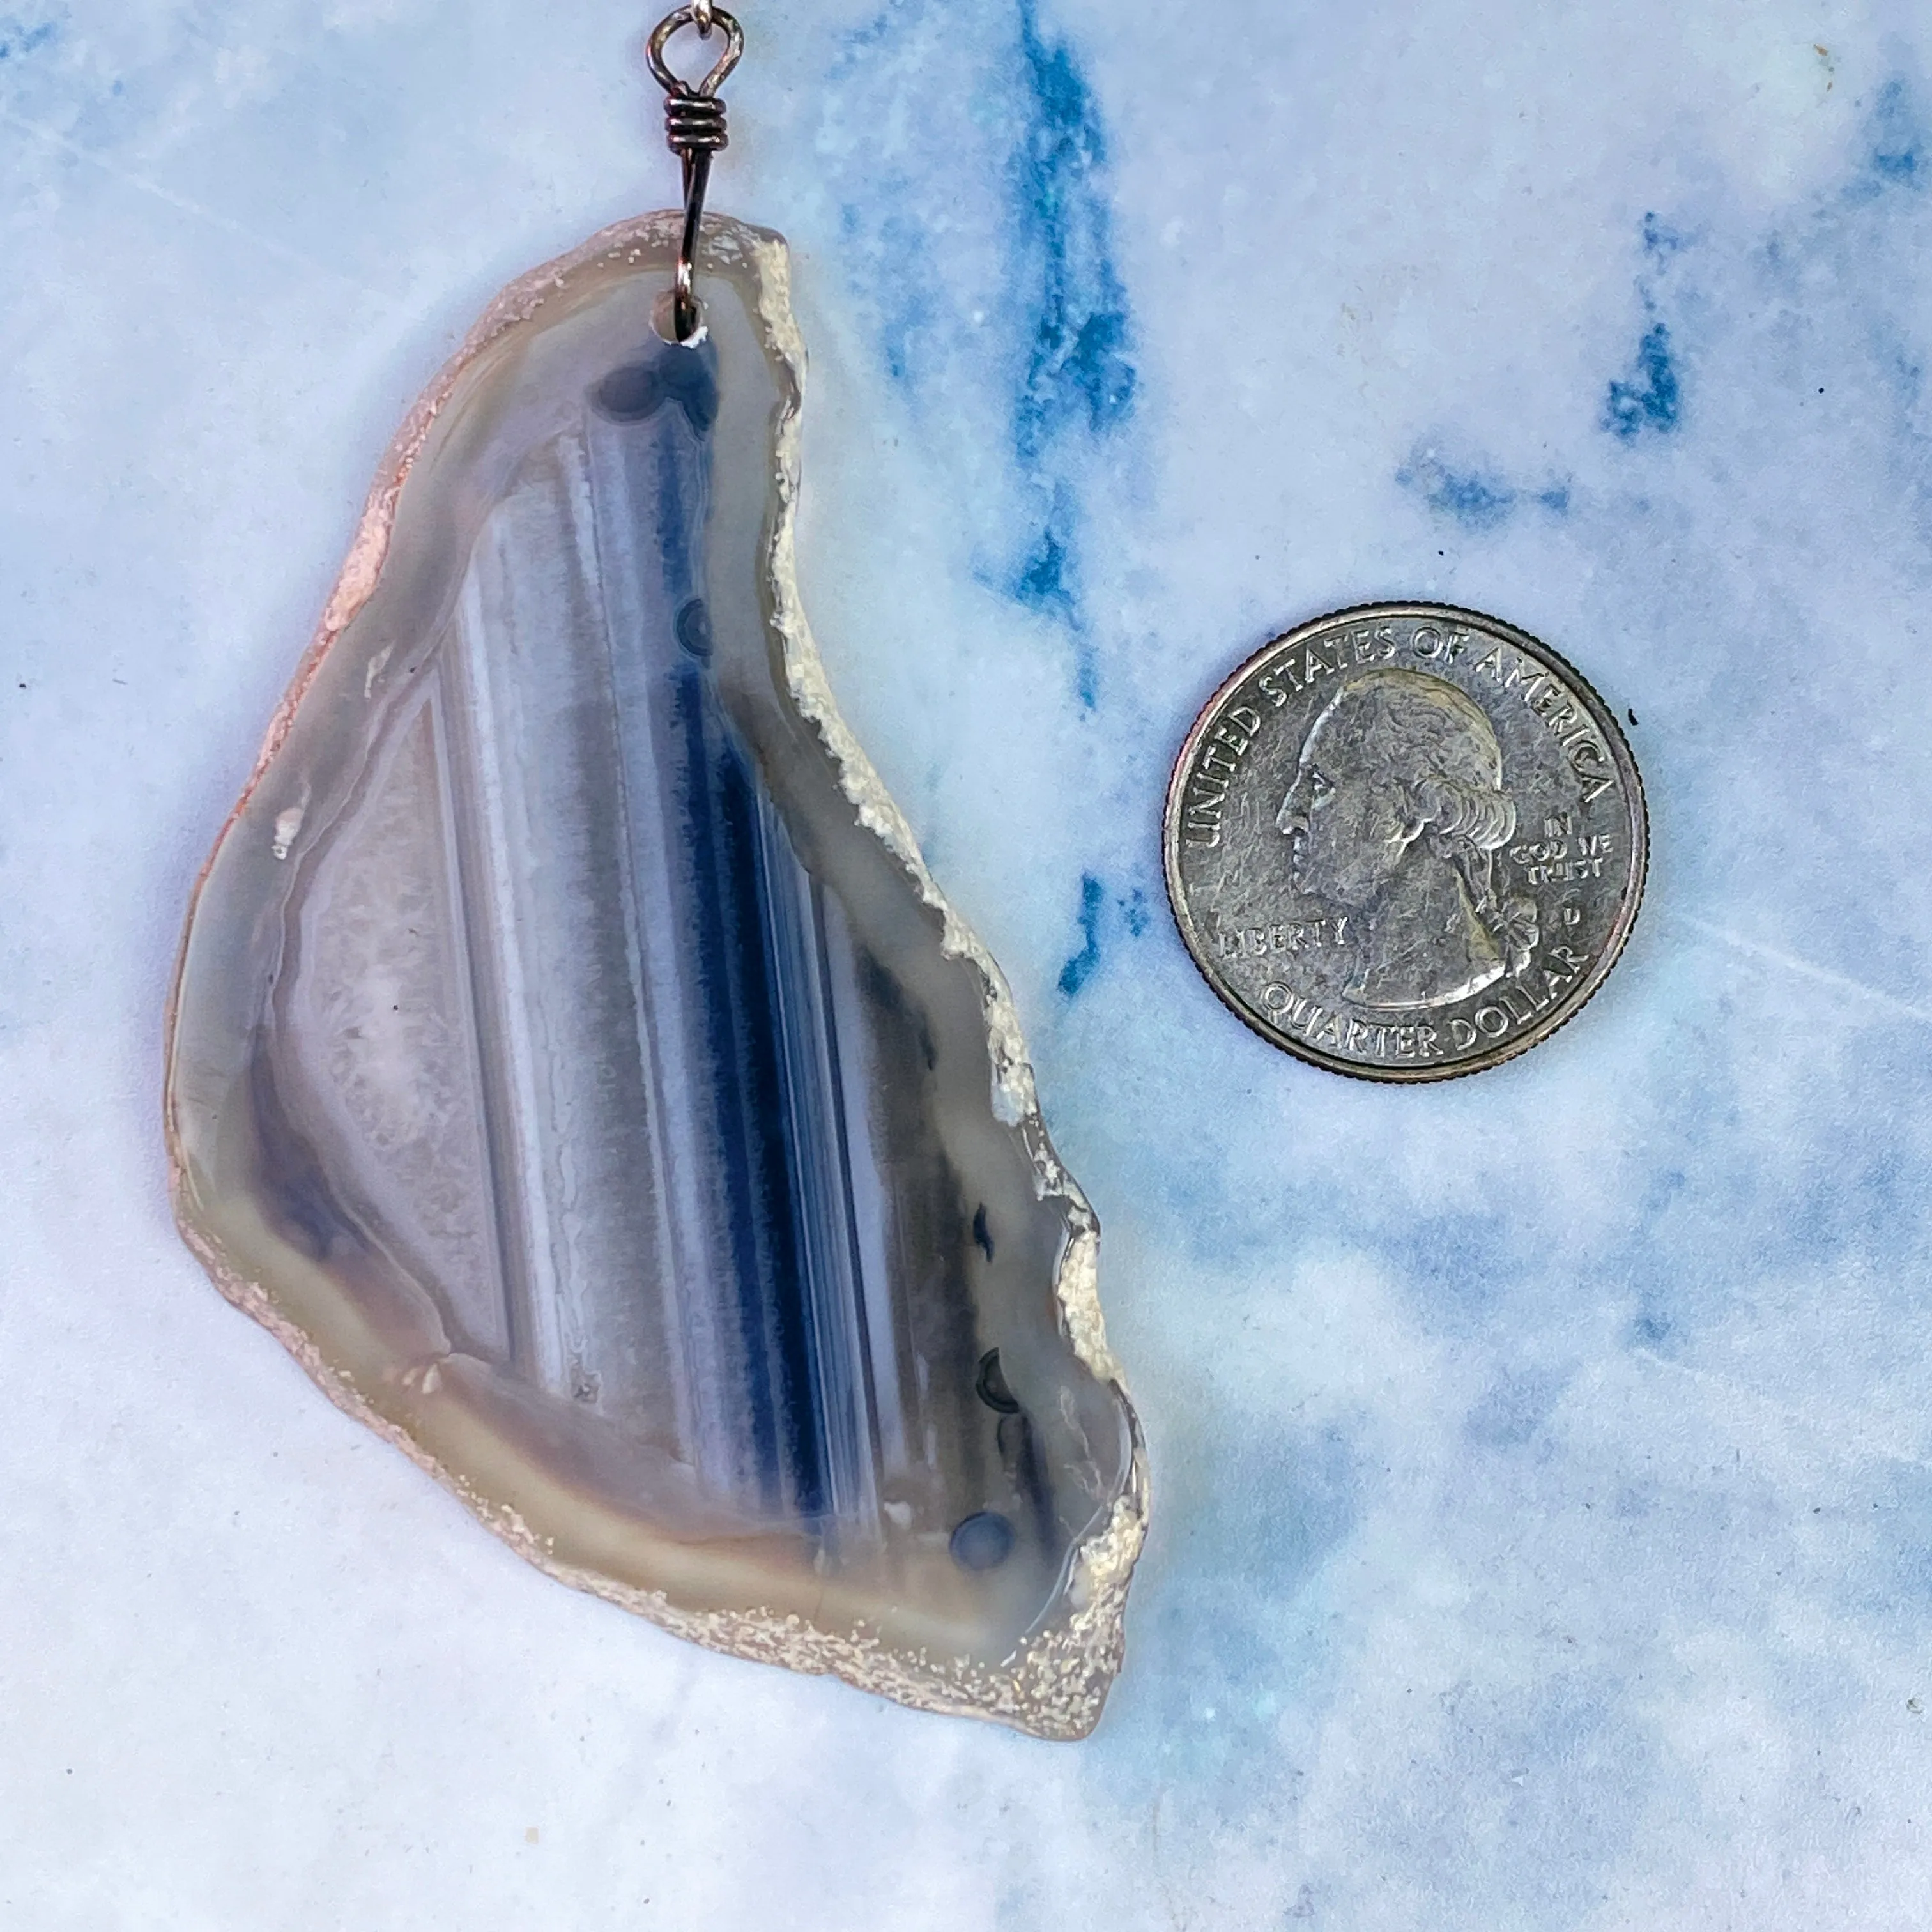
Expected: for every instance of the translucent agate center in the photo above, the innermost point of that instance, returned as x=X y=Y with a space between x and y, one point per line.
x=574 y=1063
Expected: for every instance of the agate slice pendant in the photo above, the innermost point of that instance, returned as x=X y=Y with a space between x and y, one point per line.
x=573 y=1062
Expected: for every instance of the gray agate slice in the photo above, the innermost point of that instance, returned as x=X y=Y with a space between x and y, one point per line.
x=572 y=1061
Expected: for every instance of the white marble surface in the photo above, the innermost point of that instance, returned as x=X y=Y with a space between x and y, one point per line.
x=1543 y=1515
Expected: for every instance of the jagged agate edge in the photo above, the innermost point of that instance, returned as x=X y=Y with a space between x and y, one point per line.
x=1055 y=1682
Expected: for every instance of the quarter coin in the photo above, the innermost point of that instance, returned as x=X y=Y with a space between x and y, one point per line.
x=1405 y=841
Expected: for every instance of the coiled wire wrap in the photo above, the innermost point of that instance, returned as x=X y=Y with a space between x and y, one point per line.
x=693 y=121
x=695 y=130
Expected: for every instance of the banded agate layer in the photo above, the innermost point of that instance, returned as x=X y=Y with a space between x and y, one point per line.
x=572 y=1061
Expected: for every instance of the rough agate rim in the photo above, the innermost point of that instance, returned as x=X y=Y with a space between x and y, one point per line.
x=1055 y=1682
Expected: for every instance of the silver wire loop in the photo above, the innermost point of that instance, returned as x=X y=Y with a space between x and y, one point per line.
x=694 y=131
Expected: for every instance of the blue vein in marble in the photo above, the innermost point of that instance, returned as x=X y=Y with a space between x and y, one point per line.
x=1062 y=304
x=1079 y=969
x=1660 y=240
x=1897 y=138
x=1649 y=395
x=1079 y=384
x=1092 y=919
x=16 y=36
x=1475 y=496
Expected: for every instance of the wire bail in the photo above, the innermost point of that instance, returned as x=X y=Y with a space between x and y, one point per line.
x=694 y=131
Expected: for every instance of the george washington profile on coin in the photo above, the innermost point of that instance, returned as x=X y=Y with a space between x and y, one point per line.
x=1398 y=807
x=1404 y=842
